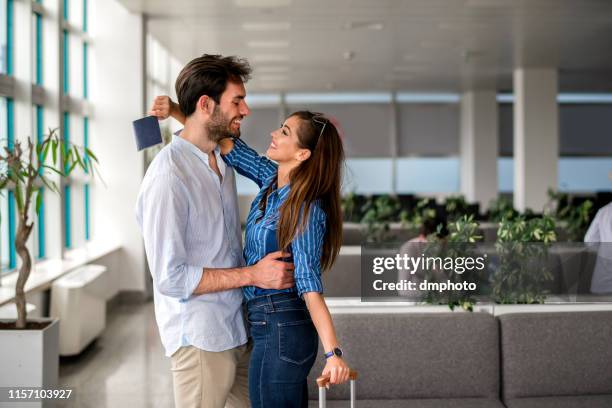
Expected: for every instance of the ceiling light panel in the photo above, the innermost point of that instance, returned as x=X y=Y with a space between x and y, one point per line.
x=270 y=58
x=272 y=69
x=268 y=44
x=267 y=26
x=262 y=3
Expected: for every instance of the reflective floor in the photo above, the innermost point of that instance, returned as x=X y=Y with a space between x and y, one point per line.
x=126 y=367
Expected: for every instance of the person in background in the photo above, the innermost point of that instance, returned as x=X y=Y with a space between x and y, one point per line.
x=600 y=235
x=415 y=248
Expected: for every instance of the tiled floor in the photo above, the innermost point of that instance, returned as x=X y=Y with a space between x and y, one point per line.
x=126 y=367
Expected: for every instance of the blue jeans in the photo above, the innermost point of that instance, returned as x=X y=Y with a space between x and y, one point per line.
x=285 y=344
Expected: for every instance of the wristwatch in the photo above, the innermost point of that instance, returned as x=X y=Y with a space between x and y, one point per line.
x=335 y=352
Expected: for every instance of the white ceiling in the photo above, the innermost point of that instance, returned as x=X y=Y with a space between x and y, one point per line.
x=411 y=45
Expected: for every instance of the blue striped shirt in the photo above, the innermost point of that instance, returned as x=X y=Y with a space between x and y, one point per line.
x=307 y=245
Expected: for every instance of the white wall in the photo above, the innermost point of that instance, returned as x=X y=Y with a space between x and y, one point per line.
x=116 y=93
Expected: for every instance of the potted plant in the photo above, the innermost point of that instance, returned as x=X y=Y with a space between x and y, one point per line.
x=524 y=271
x=378 y=214
x=424 y=210
x=574 y=218
x=25 y=346
x=462 y=235
x=349 y=210
x=501 y=209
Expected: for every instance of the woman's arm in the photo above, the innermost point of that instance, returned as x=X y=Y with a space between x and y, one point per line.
x=248 y=162
x=335 y=366
x=163 y=107
x=307 y=247
x=237 y=153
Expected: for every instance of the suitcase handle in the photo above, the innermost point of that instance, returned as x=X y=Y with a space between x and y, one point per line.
x=323 y=380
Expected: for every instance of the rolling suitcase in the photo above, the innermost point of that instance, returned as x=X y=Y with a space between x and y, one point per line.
x=322 y=383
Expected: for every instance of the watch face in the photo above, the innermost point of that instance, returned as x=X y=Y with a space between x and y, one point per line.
x=338 y=352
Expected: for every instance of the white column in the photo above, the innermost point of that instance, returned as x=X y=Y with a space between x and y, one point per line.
x=536 y=136
x=479 y=146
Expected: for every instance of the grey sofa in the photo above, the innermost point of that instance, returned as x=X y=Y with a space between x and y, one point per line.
x=418 y=360
x=475 y=360
x=557 y=360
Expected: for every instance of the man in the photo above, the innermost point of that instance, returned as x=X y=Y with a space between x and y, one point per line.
x=188 y=213
x=600 y=232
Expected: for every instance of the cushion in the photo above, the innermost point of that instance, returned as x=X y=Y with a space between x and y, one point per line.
x=415 y=403
x=586 y=401
x=555 y=354
x=417 y=355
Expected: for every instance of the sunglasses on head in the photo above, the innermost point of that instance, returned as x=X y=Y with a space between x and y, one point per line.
x=319 y=119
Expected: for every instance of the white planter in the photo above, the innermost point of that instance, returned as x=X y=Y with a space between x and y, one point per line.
x=30 y=358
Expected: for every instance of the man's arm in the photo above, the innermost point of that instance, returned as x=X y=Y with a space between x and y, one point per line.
x=268 y=273
x=163 y=215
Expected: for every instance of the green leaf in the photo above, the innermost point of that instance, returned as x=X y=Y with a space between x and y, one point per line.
x=45 y=151
x=39 y=197
x=90 y=154
x=66 y=153
x=53 y=169
x=50 y=184
x=54 y=151
x=19 y=197
x=74 y=163
x=78 y=158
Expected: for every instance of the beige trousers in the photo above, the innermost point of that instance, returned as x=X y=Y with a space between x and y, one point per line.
x=206 y=379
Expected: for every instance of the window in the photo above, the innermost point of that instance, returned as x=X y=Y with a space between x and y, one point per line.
x=66 y=61
x=39 y=232
x=67 y=189
x=7 y=197
x=85 y=65
x=86 y=187
x=37 y=49
x=576 y=174
x=73 y=80
x=6 y=36
x=76 y=193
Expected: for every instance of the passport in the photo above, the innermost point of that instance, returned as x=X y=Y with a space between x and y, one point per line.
x=147 y=132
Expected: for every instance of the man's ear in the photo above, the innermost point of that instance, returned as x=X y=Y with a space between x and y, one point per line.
x=303 y=155
x=206 y=104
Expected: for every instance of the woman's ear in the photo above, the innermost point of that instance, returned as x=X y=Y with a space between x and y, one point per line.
x=303 y=155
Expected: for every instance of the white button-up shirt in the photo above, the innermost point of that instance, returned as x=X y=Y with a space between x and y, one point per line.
x=600 y=231
x=189 y=220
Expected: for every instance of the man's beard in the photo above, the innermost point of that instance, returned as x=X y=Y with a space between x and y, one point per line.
x=220 y=127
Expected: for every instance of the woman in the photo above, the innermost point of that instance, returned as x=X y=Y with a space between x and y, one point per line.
x=298 y=210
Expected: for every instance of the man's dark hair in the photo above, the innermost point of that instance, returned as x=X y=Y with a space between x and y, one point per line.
x=208 y=75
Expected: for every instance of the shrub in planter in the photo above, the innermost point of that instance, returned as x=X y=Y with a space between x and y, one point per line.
x=523 y=271
x=574 y=218
x=378 y=214
x=501 y=209
x=462 y=234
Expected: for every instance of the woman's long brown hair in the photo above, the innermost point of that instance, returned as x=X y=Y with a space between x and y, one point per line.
x=317 y=178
